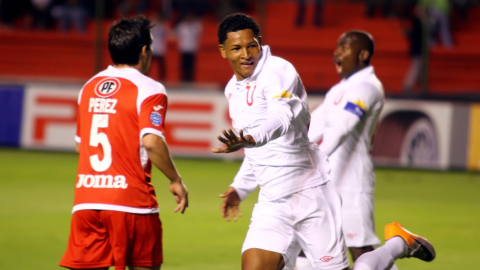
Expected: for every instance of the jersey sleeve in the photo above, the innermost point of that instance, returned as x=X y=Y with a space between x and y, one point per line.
x=77 y=133
x=245 y=181
x=283 y=106
x=359 y=102
x=152 y=115
x=361 y=99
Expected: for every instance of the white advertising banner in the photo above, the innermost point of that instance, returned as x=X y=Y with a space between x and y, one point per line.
x=49 y=116
x=409 y=133
x=193 y=121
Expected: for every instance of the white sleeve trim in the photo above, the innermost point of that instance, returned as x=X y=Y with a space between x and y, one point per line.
x=146 y=131
x=78 y=139
x=113 y=207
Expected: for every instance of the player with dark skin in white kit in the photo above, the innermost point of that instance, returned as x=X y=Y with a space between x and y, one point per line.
x=298 y=207
x=343 y=126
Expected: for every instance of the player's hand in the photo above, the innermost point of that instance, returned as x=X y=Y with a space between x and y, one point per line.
x=232 y=142
x=230 y=206
x=180 y=193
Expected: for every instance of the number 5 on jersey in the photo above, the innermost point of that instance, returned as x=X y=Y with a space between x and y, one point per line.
x=96 y=138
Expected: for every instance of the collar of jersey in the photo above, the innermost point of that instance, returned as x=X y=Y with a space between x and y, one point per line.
x=111 y=67
x=261 y=62
x=360 y=75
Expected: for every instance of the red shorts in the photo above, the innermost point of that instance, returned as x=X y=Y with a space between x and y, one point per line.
x=103 y=238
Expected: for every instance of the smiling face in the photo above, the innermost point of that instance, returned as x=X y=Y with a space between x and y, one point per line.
x=348 y=56
x=243 y=51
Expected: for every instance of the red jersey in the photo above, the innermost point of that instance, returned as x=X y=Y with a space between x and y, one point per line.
x=116 y=108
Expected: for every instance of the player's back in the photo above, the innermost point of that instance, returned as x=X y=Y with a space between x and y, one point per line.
x=116 y=108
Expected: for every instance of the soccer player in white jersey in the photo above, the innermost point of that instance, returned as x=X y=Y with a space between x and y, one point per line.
x=298 y=208
x=344 y=125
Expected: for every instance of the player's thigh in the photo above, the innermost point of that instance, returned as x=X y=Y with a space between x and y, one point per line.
x=358 y=220
x=136 y=239
x=319 y=231
x=260 y=259
x=104 y=268
x=88 y=244
x=268 y=233
x=147 y=249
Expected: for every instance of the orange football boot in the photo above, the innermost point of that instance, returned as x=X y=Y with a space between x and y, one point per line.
x=418 y=246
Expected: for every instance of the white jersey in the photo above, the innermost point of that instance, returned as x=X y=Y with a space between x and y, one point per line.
x=271 y=107
x=344 y=124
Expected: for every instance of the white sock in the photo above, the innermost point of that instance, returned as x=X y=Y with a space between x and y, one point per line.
x=303 y=264
x=379 y=259
x=397 y=247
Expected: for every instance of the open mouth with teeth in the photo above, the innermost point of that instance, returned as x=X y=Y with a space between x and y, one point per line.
x=247 y=64
x=338 y=65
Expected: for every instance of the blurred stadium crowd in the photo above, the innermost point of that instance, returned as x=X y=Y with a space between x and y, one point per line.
x=424 y=46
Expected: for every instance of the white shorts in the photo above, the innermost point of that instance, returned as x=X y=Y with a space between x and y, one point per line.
x=309 y=220
x=357 y=219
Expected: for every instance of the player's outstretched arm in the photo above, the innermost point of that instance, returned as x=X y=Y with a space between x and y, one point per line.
x=232 y=142
x=160 y=156
x=230 y=206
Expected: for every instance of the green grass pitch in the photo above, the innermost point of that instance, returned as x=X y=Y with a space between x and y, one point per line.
x=36 y=194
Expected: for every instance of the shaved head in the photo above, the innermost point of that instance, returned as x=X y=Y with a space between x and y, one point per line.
x=353 y=52
x=363 y=41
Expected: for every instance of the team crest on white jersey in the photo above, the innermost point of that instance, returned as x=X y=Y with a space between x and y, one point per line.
x=251 y=86
x=107 y=87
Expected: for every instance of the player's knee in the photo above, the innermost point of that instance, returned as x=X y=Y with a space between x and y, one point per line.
x=358 y=251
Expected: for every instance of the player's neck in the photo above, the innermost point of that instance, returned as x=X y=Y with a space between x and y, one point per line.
x=360 y=68
x=137 y=67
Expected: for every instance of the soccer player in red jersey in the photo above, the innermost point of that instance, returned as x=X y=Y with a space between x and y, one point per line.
x=120 y=127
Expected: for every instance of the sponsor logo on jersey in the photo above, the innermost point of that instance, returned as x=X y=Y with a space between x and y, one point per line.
x=101 y=181
x=326 y=258
x=107 y=87
x=284 y=94
x=155 y=118
x=158 y=107
x=357 y=107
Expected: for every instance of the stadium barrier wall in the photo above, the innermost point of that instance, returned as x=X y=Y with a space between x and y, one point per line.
x=410 y=133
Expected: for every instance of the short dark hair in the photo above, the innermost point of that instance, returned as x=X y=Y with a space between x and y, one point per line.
x=126 y=39
x=364 y=41
x=236 y=22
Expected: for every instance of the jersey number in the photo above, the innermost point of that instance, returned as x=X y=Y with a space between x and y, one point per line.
x=96 y=138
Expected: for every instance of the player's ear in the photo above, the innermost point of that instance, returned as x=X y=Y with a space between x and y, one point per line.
x=221 y=47
x=259 y=40
x=364 y=55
